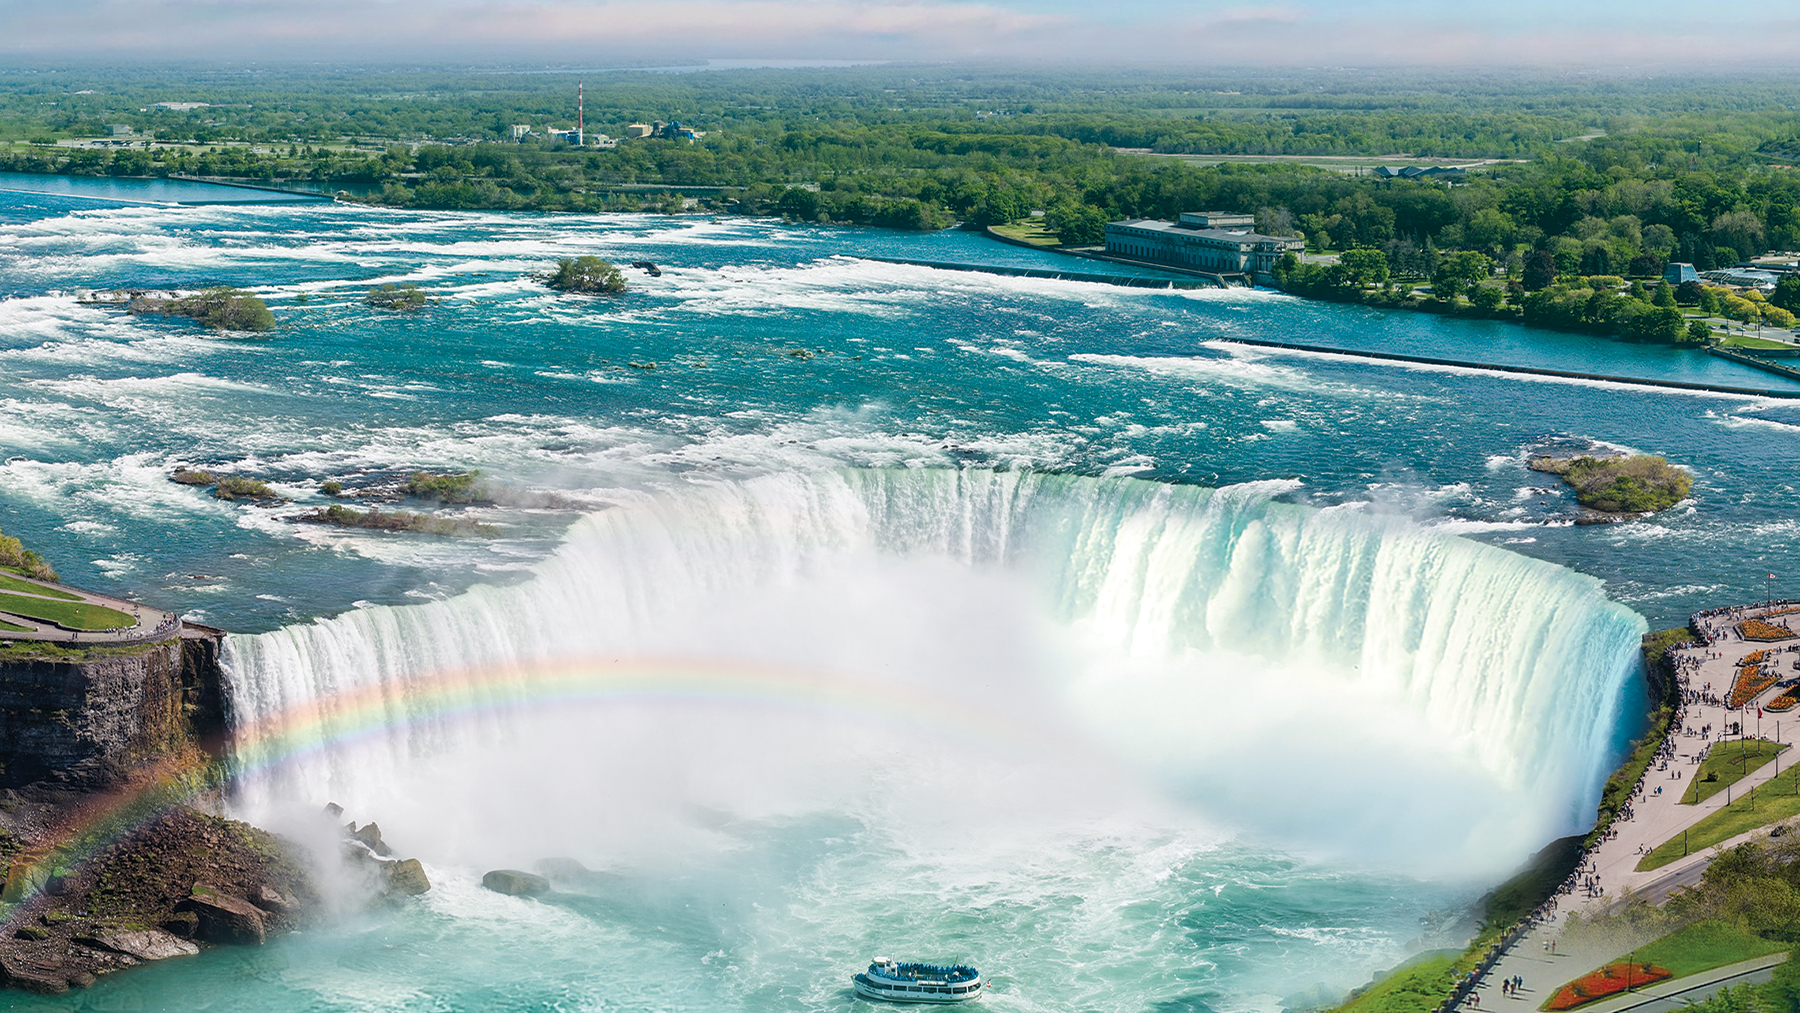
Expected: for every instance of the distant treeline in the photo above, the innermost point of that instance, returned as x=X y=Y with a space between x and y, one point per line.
x=1695 y=170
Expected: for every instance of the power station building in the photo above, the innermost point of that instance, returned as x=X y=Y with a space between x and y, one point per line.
x=1215 y=242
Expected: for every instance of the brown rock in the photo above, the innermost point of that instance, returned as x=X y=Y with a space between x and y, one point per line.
x=226 y=919
x=370 y=834
x=406 y=877
x=144 y=944
x=514 y=883
x=33 y=974
x=270 y=899
x=185 y=924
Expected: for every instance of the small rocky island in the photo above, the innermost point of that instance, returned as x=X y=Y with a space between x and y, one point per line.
x=1621 y=484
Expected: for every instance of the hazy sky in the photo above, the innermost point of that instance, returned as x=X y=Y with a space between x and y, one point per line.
x=1678 y=35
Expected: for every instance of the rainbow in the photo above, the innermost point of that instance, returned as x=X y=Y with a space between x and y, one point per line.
x=361 y=713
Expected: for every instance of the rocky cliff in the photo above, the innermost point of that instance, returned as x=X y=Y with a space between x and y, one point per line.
x=85 y=720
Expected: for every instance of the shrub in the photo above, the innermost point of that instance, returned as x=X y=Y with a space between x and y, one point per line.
x=1627 y=485
x=186 y=476
x=331 y=487
x=397 y=520
x=405 y=298
x=451 y=487
x=222 y=309
x=238 y=487
x=587 y=274
x=13 y=553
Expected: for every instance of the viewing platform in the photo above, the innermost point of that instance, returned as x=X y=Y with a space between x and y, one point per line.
x=41 y=610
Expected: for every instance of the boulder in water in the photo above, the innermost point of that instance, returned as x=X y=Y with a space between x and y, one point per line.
x=225 y=919
x=514 y=883
x=370 y=834
x=406 y=877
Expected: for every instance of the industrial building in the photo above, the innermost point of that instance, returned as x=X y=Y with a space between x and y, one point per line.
x=1213 y=242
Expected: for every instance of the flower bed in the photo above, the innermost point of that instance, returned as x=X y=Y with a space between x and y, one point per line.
x=1785 y=701
x=1751 y=680
x=1756 y=629
x=1753 y=658
x=1609 y=980
x=1781 y=612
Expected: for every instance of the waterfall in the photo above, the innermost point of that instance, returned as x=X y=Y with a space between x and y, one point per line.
x=1323 y=677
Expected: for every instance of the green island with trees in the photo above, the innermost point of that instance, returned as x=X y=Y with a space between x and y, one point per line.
x=221 y=309
x=1634 y=484
x=588 y=275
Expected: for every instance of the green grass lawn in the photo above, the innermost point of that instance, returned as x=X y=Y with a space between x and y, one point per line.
x=80 y=616
x=1772 y=802
x=1745 y=341
x=1730 y=761
x=15 y=584
x=1418 y=986
x=1029 y=231
x=1703 y=946
x=6 y=627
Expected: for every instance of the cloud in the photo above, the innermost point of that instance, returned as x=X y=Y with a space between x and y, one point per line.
x=689 y=28
x=1204 y=34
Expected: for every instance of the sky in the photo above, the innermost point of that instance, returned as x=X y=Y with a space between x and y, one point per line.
x=1663 y=34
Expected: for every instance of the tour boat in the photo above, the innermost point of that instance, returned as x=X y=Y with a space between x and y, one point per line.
x=902 y=982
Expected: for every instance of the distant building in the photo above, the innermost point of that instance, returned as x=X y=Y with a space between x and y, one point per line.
x=1743 y=277
x=1676 y=274
x=639 y=130
x=1213 y=241
x=1448 y=173
x=121 y=129
x=602 y=141
x=180 y=107
x=520 y=131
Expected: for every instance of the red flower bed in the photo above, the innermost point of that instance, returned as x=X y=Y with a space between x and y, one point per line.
x=1750 y=681
x=1609 y=980
x=1785 y=701
x=1756 y=629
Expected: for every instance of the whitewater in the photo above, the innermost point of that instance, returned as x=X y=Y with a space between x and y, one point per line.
x=843 y=607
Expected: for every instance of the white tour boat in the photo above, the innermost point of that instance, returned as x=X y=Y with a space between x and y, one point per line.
x=902 y=982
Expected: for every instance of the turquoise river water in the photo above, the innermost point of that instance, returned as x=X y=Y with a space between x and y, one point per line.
x=841 y=607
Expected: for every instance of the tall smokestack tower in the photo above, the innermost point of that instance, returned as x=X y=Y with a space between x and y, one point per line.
x=580 y=113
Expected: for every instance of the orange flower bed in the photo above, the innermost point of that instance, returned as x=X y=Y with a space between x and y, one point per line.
x=1609 y=980
x=1781 y=612
x=1756 y=629
x=1750 y=681
x=1753 y=658
x=1785 y=701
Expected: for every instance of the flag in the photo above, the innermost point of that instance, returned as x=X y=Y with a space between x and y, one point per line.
x=1771 y=576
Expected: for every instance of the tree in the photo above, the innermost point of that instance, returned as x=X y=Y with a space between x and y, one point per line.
x=1699 y=332
x=1361 y=268
x=1665 y=296
x=1539 y=271
x=587 y=274
x=1486 y=298
x=1688 y=293
x=1077 y=224
x=1710 y=303
x=1787 y=293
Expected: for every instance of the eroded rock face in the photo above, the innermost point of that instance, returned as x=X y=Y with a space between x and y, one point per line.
x=514 y=883
x=229 y=920
x=34 y=972
x=144 y=944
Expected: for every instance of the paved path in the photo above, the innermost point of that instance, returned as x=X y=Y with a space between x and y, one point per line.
x=1612 y=866
x=152 y=624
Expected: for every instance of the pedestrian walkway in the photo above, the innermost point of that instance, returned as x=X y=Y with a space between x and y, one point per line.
x=1609 y=872
x=152 y=624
